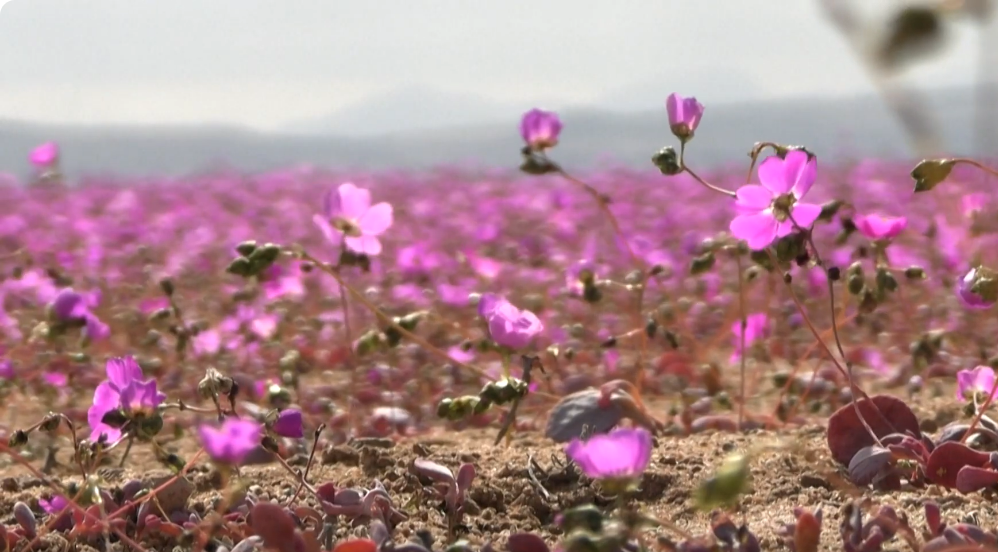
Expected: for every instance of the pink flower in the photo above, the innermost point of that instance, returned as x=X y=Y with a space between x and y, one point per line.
x=878 y=227
x=970 y=382
x=684 y=115
x=756 y=328
x=45 y=155
x=623 y=453
x=540 y=129
x=973 y=203
x=508 y=326
x=769 y=211
x=232 y=442
x=349 y=216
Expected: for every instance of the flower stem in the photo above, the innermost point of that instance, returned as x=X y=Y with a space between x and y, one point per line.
x=743 y=316
x=977 y=164
x=980 y=411
x=708 y=185
x=604 y=205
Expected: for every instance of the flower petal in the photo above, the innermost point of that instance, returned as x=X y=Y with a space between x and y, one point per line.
x=354 y=201
x=377 y=219
x=752 y=199
x=801 y=171
x=121 y=371
x=758 y=230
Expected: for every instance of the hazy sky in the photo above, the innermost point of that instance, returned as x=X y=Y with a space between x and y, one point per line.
x=267 y=62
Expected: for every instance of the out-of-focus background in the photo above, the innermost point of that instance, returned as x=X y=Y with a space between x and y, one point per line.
x=156 y=86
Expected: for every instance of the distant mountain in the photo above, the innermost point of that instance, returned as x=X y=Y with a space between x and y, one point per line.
x=403 y=110
x=860 y=126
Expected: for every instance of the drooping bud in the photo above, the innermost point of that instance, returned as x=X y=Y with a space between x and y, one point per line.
x=667 y=161
x=246 y=248
x=930 y=172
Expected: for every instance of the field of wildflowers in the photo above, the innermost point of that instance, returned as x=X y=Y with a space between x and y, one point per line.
x=526 y=360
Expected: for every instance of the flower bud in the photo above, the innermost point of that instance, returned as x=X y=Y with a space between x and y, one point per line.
x=830 y=209
x=166 y=285
x=979 y=288
x=855 y=284
x=667 y=161
x=241 y=266
x=246 y=248
x=885 y=280
x=702 y=263
x=867 y=301
x=930 y=172
x=537 y=165
x=18 y=439
x=914 y=273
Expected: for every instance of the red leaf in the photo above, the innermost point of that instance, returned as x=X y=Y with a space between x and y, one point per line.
x=807 y=533
x=971 y=479
x=846 y=434
x=356 y=545
x=945 y=462
x=274 y=525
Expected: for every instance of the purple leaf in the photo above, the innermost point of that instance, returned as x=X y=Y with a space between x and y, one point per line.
x=584 y=408
x=972 y=479
x=26 y=519
x=526 y=542
x=885 y=415
x=465 y=476
x=431 y=470
x=867 y=463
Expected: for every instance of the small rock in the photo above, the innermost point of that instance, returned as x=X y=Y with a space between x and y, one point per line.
x=339 y=454
x=809 y=480
x=172 y=498
x=375 y=442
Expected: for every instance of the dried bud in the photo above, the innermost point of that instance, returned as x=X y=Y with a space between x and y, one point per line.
x=834 y=274
x=18 y=439
x=50 y=423
x=667 y=161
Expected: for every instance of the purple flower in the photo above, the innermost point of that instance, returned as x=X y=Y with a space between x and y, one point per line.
x=540 y=129
x=230 y=443
x=123 y=390
x=756 y=327
x=623 y=453
x=45 y=155
x=877 y=227
x=508 y=326
x=976 y=288
x=973 y=203
x=348 y=217
x=684 y=115
x=980 y=380
x=6 y=369
x=289 y=424
x=54 y=505
x=769 y=211
x=72 y=308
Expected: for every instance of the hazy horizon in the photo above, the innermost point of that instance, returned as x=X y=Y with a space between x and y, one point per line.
x=251 y=64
